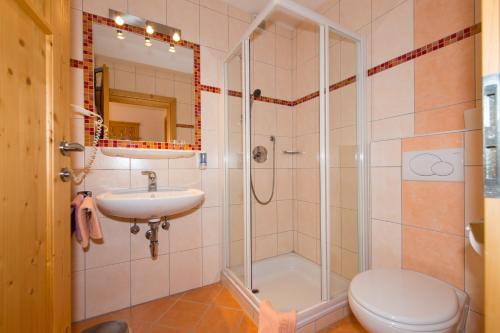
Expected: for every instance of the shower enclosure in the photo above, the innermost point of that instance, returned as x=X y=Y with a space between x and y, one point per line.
x=295 y=161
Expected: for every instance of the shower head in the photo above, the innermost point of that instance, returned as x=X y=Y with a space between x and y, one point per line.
x=256 y=93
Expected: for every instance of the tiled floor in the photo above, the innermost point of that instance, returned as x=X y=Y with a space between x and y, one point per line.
x=208 y=309
x=346 y=325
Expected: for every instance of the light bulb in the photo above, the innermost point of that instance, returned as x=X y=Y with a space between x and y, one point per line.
x=171 y=48
x=147 y=41
x=119 y=34
x=149 y=29
x=119 y=20
x=176 y=36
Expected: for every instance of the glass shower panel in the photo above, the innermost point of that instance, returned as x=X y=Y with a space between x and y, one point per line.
x=343 y=171
x=234 y=116
x=284 y=83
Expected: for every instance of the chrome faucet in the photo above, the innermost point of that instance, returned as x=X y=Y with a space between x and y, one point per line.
x=152 y=187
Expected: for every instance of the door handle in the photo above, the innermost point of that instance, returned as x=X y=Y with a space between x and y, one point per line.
x=68 y=147
x=65 y=174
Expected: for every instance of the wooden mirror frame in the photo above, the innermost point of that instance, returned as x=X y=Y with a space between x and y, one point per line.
x=88 y=72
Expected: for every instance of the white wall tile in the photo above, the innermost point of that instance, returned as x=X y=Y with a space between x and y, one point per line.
x=78 y=296
x=185 y=231
x=76 y=90
x=211 y=226
x=211 y=264
x=185 y=270
x=184 y=15
x=76 y=34
x=113 y=248
x=386 y=193
x=185 y=178
x=386 y=244
x=209 y=111
x=213 y=29
x=150 y=279
x=392 y=128
x=110 y=283
x=101 y=8
x=395 y=26
x=153 y=10
x=386 y=153
x=393 y=91
x=99 y=181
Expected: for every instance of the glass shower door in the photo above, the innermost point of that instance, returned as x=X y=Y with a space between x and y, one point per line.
x=234 y=171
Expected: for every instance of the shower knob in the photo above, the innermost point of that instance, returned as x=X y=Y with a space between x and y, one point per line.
x=259 y=154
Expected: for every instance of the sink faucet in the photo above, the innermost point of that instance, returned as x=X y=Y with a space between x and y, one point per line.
x=151 y=180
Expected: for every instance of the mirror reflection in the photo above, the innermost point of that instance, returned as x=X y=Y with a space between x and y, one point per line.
x=144 y=88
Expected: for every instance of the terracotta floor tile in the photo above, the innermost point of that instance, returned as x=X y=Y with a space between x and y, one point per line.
x=247 y=325
x=220 y=319
x=205 y=294
x=346 y=325
x=156 y=328
x=152 y=311
x=82 y=325
x=183 y=315
x=226 y=299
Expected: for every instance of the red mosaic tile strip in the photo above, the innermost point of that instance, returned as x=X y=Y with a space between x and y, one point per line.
x=234 y=93
x=75 y=63
x=184 y=125
x=215 y=90
x=431 y=47
x=305 y=98
x=342 y=83
x=88 y=77
x=274 y=100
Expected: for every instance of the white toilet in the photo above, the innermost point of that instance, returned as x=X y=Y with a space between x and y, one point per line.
x=396 y=301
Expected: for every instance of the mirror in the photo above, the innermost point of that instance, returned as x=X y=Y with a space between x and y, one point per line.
x=144 y=87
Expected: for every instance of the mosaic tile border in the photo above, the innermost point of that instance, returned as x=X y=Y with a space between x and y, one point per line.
x=431 y=47
x=88 y=85
x=215 y=90
x=75 y=63
x=421 y=51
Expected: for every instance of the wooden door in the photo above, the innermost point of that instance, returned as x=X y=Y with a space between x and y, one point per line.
x=35 y=274
x=490 y=15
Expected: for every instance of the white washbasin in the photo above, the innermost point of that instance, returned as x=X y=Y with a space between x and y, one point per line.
x=141 y=204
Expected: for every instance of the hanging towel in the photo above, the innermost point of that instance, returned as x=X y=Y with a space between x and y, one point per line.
x=87 y=221
x=75 y=206
x=272 y=321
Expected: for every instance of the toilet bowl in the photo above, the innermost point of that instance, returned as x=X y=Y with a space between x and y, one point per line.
x=399 y=301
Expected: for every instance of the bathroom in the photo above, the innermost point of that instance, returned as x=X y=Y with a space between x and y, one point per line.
x=313 y=142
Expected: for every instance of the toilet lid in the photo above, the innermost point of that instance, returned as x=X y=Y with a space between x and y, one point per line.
x=405 y=296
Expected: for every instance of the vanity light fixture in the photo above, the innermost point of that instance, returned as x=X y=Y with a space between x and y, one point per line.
x=176 y=36
x=171 y=48
x=119 y=20
x=119 y=34
x=149 y=29
x=147 y=41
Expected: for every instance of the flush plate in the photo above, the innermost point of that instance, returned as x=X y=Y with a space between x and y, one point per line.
x=434 y=165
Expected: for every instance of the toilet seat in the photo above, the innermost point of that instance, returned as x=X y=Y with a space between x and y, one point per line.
x=405 y=299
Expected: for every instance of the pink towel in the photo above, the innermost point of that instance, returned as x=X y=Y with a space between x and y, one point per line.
x=75 y=205
x=87 y=222
x=272 y=321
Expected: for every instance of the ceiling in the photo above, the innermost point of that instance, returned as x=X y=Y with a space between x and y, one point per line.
x=255 y=6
